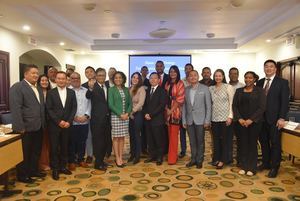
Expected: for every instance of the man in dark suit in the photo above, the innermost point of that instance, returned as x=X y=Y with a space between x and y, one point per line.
x=163 y=77
x=154 y=107
x=100 y=118
x=277 y=92
x=61 y=107
x=90 y=74
x=28 y=118
x=144 y=72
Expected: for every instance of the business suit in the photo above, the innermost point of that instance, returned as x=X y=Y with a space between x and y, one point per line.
x=195 y=114
x=59 y=136
x=155 y=128
x=276 y=108
x=100 y=122
x=248 y=105
x=164 y=80
x=28 y=115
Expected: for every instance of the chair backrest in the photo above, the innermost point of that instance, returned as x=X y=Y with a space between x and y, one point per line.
x=6 y=118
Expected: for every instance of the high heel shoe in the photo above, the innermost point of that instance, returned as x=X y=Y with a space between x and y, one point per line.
x=119 y=166
x=220 y=166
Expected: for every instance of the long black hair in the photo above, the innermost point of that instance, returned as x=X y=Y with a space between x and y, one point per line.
x=174 y=67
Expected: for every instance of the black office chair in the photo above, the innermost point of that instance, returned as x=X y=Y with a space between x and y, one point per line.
x=6 y=118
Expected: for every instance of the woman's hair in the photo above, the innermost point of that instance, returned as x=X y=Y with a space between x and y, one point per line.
x=39 y=81
x=256 y=77
x=174 y=67
x=223 y=74
x=138 y=85
x=123 y=77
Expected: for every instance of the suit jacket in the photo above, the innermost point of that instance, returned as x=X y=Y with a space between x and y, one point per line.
x=200 y=112
x=28 y=114
x=257 y=104
x=277 y=105
x=86 y=85
x=155 y=106
x=100 y=108
x=146 y=83
x=164 y=81
x=55 y=109
x=115 y=101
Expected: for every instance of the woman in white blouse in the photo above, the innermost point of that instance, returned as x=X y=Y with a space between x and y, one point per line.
x=138 y=95
x=222 y=97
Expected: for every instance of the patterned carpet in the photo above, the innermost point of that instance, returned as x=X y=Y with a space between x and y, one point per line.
x=169 y=183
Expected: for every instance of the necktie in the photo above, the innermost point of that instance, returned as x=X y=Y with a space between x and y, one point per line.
x=267 y=87
x=152 y=91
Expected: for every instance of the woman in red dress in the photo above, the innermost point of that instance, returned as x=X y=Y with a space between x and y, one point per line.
x=175 y=91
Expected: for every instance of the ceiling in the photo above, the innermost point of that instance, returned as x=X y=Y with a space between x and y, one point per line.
x=235 y=28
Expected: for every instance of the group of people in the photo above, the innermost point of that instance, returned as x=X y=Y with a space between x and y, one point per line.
x=70 y=121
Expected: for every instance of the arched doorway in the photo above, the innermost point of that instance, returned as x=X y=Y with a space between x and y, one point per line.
x=39 y=57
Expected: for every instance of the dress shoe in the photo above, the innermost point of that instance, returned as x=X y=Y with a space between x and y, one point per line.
x=220 y=166
x=72 y=166
x=199 y=165
x=149 y=160
x=159 y=162
x=89 y=159
x=83 y=164
x=38 y=174
x=130 y=159
x=136 y=160
x=181 y=155
x=26 y=180
x=214 y=163
x=190 y=164
x=55 y=174
x=263 y=167
x=273 y=173
x=65 y=171
x=101 y=167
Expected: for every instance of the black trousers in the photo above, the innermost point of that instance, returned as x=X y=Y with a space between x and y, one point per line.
x=220 y=133
x=59 y=138
x=248 y=146
x=135 y=127
x=237 y=134
x=155 y=139
x=100 y=139
x=270 y=141
x=32 y=146
x=77 y=142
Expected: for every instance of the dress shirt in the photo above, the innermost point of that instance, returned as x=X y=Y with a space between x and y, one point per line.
x=35 y=90
x=62 y=95
x=83 y=104
x=270 y=82
x=192 y=94
x=154 y=88
x=52 y=84
x=185 y=82
x=237 y=85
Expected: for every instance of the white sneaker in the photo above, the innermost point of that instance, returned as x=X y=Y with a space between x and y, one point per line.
x=242 y=172
x=249 y=173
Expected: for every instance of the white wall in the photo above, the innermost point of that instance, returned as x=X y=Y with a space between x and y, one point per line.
x=16 y=44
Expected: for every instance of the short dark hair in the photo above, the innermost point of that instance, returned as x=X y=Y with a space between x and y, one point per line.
x=100 y=69
x=159 y=61
x=193 y=71
x=270 y=61
x=62 y=72
x=155 y=73
x=90 y=67
x=189 y=64
x=206 y=68
x=122 y=75
x=234 y=68
x=222 y=72
x=256 y=77
x=174 y=67
x=144 y=67
x=29 y=66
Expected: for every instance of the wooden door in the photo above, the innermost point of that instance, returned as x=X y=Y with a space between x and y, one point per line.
x=4 y=81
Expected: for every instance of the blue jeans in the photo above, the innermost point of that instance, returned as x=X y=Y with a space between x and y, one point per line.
x=135 y=127
x=77 y=142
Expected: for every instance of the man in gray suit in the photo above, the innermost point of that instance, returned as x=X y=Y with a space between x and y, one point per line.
x=196 y=116
x=27 y=107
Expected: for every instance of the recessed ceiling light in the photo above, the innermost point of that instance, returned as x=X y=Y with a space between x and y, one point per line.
x=107 y=11
x=82 y=52
x=268 y=40
x=26 y=28
x=61 y=43
x=1 y=15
